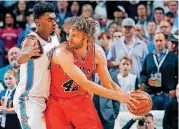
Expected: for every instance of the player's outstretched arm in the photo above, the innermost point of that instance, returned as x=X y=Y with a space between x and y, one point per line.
x=30 y=48
x=65 y=59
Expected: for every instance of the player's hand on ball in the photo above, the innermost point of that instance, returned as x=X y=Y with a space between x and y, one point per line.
x=128 y=99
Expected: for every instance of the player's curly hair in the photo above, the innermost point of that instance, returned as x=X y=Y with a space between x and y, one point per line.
x=41 y=8
x=69 y=23
x=83 y=24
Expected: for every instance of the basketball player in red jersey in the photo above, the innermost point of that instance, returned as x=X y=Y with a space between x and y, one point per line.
x=70 y=104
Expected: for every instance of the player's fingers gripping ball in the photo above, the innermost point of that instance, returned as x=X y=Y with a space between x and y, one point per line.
x=145 y=104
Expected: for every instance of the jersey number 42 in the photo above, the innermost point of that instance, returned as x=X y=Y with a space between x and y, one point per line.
x=68 y=86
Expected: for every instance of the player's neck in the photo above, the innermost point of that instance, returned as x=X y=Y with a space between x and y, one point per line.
x=81 y=52
x=43 y=35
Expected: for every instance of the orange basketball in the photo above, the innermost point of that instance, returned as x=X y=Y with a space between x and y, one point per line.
x=145 y=104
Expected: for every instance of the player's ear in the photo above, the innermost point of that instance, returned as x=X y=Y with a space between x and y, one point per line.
x=37 y=22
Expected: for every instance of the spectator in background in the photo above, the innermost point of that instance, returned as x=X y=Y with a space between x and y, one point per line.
x=127 y=81
x=20 y=11
x=87 y=10
x=142 y=17
x=173 y=7
x=165 y=28
x=160 y=3
x=13 y=65
x=104 y=41
x=129 y=45
x=173 y=43
x=2 y=52
x=24 y=33
x=117 y=35
x=9 y=118
x=149 y=121
x=9 y=33
x=139 y=31
x=160 y=73
x=170 y=120
x=169 y=17
x=119 y=15
x=75 y=8
x=158 y=16
x=62 y=12
x=112 y=28
x=100 y=9
x=151 y=29
x=100 y=14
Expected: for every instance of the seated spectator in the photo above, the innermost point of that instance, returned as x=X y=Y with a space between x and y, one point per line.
x=62 y=12
x=142 y=17
x=170 y=120
x=9 y=118
x=169 y=17
x=149 y=121
x=127 y=81
x=128 y=45
x=100 y=10
x=75 y=8
x=20 y=11
x=104 y=41
x=151 y=29
x=88 y=11
x=158 y=16
x=112 y=28
x=9 y=33
x=173 y=7
x=159 y=73
x=13 y=65
x=117 y=35
x=139 y=31
x=173 y=43
x=165 y=28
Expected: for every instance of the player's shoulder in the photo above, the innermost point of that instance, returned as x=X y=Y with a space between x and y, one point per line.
x=29 y=40
x=99 y=54
x=62 y=50
x=98 y=49
x=62 y=55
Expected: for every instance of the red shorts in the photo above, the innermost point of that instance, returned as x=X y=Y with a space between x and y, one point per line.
x=72 y=113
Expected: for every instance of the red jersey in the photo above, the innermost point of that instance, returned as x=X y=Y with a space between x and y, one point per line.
x=62 y=85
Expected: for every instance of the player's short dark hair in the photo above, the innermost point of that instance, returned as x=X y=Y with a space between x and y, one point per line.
x=159 y=8
x=41 y=8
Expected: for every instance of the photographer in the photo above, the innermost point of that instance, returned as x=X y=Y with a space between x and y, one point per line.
x=140 y=125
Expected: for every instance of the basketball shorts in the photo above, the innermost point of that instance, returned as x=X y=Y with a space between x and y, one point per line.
x=72 y=113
